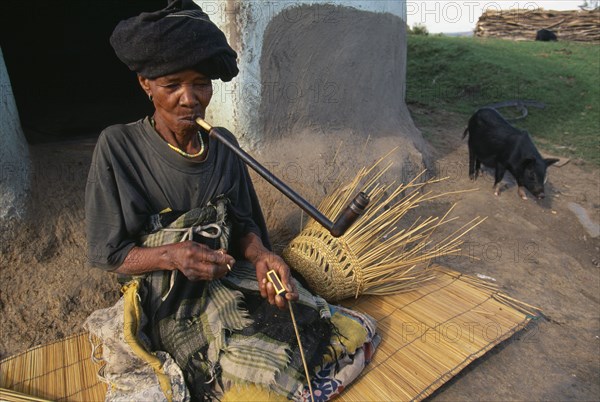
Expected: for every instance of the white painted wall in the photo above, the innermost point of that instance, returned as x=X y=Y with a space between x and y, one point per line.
x=235 y=104
x=14 y=153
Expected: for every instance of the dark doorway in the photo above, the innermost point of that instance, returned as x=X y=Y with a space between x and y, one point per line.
x=65 y=76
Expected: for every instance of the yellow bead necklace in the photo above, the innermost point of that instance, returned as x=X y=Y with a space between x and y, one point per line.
x=181 y=152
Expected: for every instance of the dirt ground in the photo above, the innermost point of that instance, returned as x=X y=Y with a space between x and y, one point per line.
x=537 y=251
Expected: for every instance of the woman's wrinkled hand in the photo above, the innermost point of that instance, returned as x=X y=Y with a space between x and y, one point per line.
x=265 y=262
x=199 y=262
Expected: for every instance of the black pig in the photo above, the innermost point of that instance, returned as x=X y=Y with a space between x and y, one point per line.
x=497 y=144
x=545 y=35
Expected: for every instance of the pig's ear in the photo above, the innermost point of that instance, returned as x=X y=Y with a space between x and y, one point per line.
x=550 y=161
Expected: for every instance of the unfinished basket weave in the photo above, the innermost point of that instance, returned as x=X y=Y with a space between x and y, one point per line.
x=376 y=255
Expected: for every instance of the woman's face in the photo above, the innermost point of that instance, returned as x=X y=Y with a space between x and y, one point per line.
x=179 y=99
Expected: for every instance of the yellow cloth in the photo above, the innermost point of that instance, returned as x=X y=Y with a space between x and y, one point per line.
x=132 y=318
x=251 y=393
x=352 y=336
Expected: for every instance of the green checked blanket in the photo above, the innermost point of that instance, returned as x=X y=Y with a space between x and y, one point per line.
x=210 y=336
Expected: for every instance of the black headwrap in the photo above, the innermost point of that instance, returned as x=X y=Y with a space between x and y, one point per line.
x=176 y=38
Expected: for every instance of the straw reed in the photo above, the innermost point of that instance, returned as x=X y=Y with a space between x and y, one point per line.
x=379 y=254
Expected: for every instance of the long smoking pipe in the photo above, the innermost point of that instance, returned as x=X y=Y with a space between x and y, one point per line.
x=344 y=220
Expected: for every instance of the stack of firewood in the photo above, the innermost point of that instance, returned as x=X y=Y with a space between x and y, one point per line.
x=516 y=24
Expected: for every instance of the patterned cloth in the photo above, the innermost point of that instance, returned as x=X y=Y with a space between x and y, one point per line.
x=223 y=335
x=354 y=351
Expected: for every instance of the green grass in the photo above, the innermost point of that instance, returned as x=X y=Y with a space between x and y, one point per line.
x=462 y=74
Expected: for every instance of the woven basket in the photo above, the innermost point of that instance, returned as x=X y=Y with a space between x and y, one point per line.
x=379 y=254
x=327 y=264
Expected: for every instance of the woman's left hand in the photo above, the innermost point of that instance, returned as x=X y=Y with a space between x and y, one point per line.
x=265 y=262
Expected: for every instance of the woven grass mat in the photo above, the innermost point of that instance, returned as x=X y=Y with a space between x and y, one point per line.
x=428 y=336
x=58 y=371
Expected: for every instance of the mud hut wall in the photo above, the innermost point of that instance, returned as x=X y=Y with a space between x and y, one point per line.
x=14 y=153
x=235 y=104
x=344 y=75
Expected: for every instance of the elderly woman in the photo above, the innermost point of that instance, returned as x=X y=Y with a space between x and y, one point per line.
x=176 y=211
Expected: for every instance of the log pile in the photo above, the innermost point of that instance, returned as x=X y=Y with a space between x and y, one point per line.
x=517 y=24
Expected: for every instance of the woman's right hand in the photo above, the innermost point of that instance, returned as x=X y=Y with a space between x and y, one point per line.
x=196 y=261
x=199 y=262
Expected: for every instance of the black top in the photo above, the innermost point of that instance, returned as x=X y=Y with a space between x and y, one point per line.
x=135 y=174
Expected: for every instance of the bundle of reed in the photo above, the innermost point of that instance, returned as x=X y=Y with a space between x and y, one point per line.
x=378 y=255
x=517 y=24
